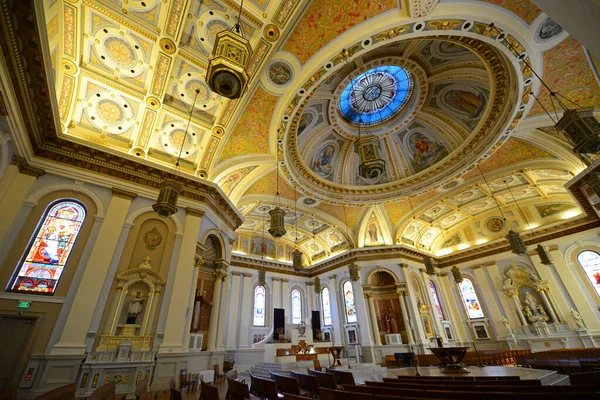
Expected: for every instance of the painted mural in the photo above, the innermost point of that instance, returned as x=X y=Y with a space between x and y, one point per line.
x=454 y=240
x=494 y=224
x=305 y=120
x=280 y=73
x=424 y=151
x=260 y=246
x=323 y=163
x=231 y=180
x=373 y=236
x=466 y=102
x=547 y=210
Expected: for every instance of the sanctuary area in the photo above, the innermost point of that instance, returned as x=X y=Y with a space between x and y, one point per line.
x=328 y=199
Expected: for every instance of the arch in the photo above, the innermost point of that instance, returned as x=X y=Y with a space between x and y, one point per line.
x=349 y=302
x=326 y=306
x=46 y=255
x=259 y=306
x=470 y=299
x=214 y=247
x=296 y=305
x=372 y=276
x=437 y=304
x=38 y=194
x=589 y=261
x=135 y=214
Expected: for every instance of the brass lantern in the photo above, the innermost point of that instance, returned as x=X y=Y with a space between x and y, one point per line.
x=544 y=254
x=277 y=225
x=371 y=165
x=166 y=205
x=226 y=74
x=429 y=268
x=458 y=278
x=582 y=129
x=516 y=242
x=297 y=260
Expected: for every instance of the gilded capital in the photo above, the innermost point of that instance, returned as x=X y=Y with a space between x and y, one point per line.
x=220 y=275
x=198 y=262
x=124 y=194
x=368 y=295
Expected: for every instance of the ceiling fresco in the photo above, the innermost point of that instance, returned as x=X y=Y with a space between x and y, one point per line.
x=127 y=73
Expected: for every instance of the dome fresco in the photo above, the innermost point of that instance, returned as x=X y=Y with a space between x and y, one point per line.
x=376 y=96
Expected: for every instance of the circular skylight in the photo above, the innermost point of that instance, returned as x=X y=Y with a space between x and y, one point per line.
x=376 y=96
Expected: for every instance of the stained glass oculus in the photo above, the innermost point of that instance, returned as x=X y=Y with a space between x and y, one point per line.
x=376 y=95
x=49 y=249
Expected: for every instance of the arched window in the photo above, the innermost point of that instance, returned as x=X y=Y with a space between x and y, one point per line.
x=259 y=306
x=470 y=300
x=349 y=302
x=436 y=301
x=590 y=262
x=326 y=307
x=49 y=249
x=296 y=307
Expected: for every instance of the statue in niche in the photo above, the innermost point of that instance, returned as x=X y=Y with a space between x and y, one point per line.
x=506 y=324
x=534 y=311
x=135 y=307
x=197 y=315
x=389 y=321
x=578 y=320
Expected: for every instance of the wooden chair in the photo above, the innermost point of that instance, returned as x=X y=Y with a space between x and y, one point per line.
x=286 y=384
x=175 y=394
x=342 y=377
x=326 y=380
x=236 y=390
x=141 y=388
x=309 y=384
x=106 y=391
x=208 y=392
x=63 y=392
x=228 y=366
x=10 y=394
x=219 y=377
x=317 y=365
x=330 y=394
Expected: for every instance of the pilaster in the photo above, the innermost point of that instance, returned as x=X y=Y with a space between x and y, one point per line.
x=486 y=293
x=452 y=307
x=286 y=301
x=233 y=315
x=215 y=310
x=245 y=311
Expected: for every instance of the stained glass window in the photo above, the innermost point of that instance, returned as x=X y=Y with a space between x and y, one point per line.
x=590 y=262
x=49 y=250
x=470 y=300
x=326 y=306
x=259 y=306
x=296 y=307
x=349 y=302
x=376 y=95
x=436 y=301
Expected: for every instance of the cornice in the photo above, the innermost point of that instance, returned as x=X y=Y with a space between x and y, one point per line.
x=25 y=168
x=20 y=45
x=124 y=194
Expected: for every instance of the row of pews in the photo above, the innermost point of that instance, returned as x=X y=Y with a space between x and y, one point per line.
x=564 y=361
x=486 y=357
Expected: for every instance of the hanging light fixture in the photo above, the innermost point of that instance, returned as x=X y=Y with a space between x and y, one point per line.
x=296 y=254
x=169 y=189
x=226 y=73
x=514 y=239
x=458 y=278
x=277 y=224
x=578 y=124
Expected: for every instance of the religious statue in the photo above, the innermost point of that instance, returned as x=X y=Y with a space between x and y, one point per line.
x=578 y=320
x=506 y=324
x=135 y=307
x=536 y=314
x=531 y=301
x=389 y=321
x=197 y=314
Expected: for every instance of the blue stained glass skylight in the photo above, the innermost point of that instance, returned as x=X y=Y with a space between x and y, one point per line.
x=376 y=95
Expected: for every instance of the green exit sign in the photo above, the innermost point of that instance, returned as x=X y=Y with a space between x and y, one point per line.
x=23 y=305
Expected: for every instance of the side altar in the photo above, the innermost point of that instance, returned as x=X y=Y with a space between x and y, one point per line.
x=123 y=354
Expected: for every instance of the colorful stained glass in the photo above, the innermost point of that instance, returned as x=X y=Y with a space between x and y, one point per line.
x=349 y=302
x=376 y=95
x=50 y=248
x=296 y=307
x=470 y=300
x=259 y=306
x=436 y=301
x=326 y=307
x=590 y=262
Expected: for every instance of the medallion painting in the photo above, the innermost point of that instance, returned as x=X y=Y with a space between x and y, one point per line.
x=465 y=102
x=373 y=235
x=425 y=151
x=323 y=163
x=548 y=210
x=50 y=249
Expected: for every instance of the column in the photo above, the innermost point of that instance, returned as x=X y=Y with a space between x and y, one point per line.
x=420 y=336
x=542 y=292
x=190 y=308
x=376 y=334
x=554 y=292
x=334 y=296
x=72 y=339
x=222 y=265
x=213 y=327
x=16 y=182
x=498 y=285
x=434 y=316
x=318 y=288
x=515 y=298
x=451 y=306
x=584 y=306
x=486 y=293
x=276 y=284
x=246 y=311
x=179 y=302
x=362 y=314
x=402 y=297
x=233 y=315
x=286 y=303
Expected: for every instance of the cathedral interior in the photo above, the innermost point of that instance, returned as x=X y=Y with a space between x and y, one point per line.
x=219 y=181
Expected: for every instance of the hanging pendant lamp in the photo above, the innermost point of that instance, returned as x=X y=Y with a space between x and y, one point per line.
x=277 y=222
x=226 y=73
x=296 y=254
x=458 y=278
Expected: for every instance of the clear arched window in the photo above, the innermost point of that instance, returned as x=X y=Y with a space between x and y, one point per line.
x=326 y=307
x=436 y=301
x=296 y=307
x=49 y=249
x=349 y=302
x=590 y=262
x=470 y=300
x=259 y=306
